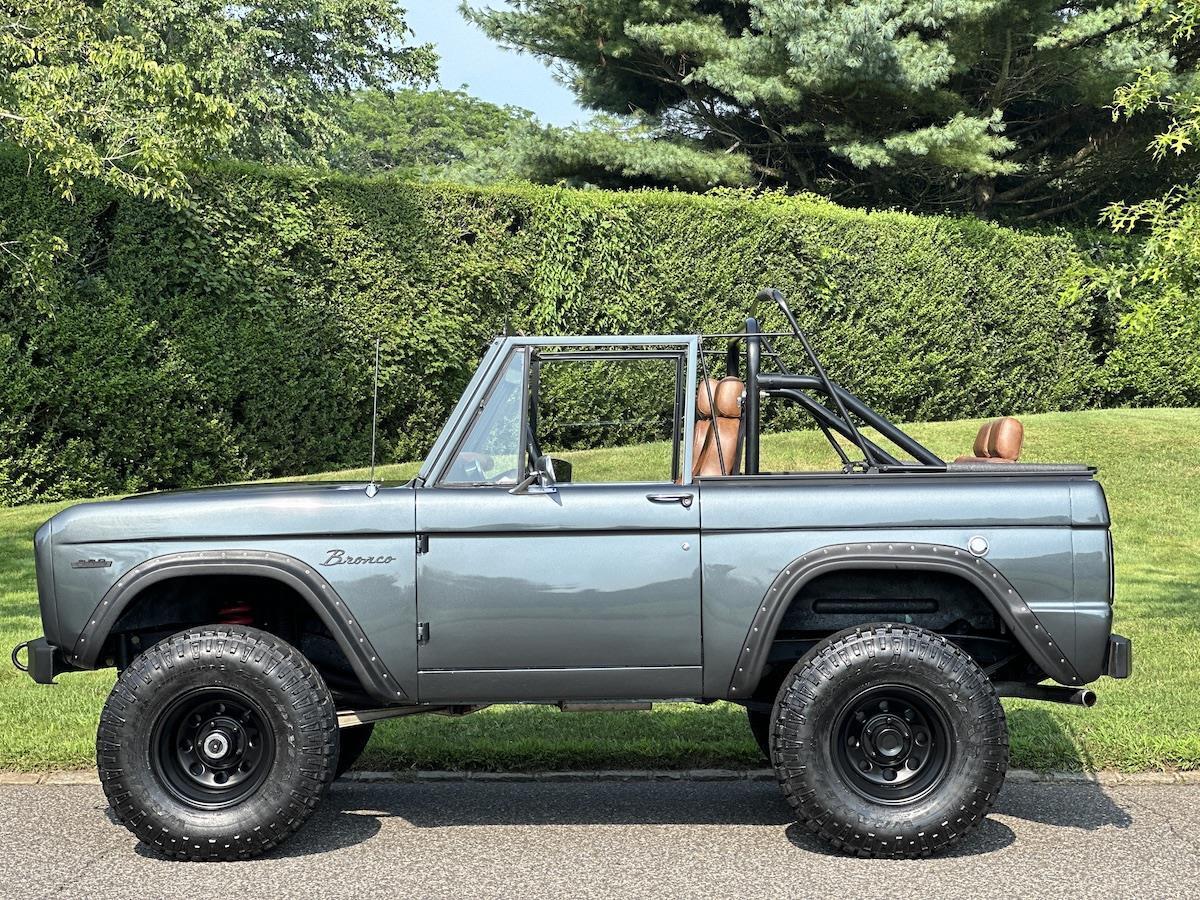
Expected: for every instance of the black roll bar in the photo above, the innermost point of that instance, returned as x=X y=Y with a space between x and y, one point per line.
x=792 y=386
x=777 y=296
x=750 y=408
x=829 y=422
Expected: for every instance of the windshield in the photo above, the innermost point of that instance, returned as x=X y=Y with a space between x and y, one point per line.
x=489 y=453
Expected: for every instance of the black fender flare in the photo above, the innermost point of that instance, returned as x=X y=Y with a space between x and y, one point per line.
x=295 y=573
x=1004 y=598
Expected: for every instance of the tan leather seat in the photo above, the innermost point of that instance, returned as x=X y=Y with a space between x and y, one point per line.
x=723 y=456
x=998 y=441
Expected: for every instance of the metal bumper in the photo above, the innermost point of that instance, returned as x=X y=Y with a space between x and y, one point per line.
x=1119 y=661
x=43 y=660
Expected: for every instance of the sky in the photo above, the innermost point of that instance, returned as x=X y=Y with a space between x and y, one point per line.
x=468 y=57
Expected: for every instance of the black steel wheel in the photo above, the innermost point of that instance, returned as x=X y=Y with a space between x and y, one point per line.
x=889 y=741
x=217 y=743
x=212 y=747
x=892 y=744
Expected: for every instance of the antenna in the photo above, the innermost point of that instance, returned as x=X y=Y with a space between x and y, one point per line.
x=372 y=487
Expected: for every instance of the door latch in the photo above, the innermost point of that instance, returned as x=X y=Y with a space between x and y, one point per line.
x=422 y=543
x=422 y=632
x=684 y=499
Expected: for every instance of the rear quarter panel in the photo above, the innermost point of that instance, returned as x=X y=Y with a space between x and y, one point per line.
x=1036 y=527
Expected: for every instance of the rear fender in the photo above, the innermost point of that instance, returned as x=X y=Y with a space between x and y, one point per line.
x=1020 y=619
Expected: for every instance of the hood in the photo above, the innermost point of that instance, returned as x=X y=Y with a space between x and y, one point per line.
x=240 y=510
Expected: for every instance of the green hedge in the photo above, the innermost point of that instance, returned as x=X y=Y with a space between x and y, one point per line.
x=234 y=339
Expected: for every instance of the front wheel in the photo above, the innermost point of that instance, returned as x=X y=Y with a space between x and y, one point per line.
x=889 y=741
x=217 y=743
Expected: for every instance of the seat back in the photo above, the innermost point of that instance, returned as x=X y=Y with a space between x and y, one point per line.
x=999 y=440
x=717 y=442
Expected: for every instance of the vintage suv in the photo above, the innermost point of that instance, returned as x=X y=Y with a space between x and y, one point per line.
x=868 y=617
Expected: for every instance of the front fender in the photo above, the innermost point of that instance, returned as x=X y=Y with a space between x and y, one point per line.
x=1020 y=619
x=295 y=573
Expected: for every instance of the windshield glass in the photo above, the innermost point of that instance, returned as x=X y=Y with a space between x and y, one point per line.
x=489 y=454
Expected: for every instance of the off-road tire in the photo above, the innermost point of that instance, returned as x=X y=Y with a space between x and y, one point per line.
x=817 y=709
x=352 y=741
x=760 y=727
x=286 y=711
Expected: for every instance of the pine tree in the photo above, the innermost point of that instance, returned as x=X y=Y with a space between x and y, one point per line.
x=996 y=107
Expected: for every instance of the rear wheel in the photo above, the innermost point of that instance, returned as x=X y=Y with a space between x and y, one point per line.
x=889 y=741
x=217 y=743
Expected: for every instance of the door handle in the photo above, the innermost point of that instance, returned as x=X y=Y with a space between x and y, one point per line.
x=681 y=498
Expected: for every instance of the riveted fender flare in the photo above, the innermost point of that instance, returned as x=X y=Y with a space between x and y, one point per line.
x=1020 y=619
x=295 y=573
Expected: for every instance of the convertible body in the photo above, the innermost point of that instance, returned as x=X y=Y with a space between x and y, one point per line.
x=867 y=615
x=469 y=594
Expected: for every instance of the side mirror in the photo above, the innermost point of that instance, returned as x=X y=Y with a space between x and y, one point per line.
x=540 y=480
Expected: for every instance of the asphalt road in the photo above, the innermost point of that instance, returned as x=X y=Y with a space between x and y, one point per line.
x=651 y=839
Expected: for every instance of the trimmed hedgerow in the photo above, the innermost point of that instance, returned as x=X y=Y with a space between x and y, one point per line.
x=234 y=338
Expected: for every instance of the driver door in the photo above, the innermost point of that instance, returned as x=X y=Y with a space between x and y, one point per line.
x=584 y=590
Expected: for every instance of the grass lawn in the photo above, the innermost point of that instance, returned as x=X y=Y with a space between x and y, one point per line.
x=1149 y=463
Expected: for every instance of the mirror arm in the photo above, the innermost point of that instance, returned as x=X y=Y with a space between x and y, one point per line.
x=524 y=484
x=542 y=475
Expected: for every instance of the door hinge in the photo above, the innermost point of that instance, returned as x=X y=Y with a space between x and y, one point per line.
x=422 y=543
x=422 y=632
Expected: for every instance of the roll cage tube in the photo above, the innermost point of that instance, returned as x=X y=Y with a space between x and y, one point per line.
x=865 y=446
x=796 y=387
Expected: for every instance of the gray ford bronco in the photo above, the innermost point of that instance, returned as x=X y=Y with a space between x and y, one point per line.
x=868 y=617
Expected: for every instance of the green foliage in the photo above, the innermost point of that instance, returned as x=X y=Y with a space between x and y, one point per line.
x=1157 y=288
x=128 y=92
x=424 y=134
x=453 y=136
x=998 y=107
x=234 y=337
x=88 y=97
x=282 y=64
x=612 y=153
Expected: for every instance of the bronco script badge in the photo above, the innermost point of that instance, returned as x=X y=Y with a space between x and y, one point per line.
x=338 y=557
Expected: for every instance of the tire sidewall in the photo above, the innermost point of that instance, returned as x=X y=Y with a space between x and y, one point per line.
x=827 y=679
x=297 y=708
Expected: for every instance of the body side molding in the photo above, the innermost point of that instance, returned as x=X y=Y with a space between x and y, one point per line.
x=1015 y=612
x=293 y=572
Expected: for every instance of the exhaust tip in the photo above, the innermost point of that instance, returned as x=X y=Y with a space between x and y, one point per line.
x=1087 y=698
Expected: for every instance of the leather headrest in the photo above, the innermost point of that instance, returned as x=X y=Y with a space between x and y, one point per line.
x=726 y=395
x=1000 y=439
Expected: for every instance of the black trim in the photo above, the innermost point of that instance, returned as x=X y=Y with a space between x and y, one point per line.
x=1017 y=615
x=43 y=660
x=751 y=408
x=295 y=573
x=1118 y=662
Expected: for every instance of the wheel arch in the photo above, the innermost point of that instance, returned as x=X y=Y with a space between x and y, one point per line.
x=293 y=574
x=896 y=556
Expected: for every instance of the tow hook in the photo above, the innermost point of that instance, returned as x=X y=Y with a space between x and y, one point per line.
x=17 y=664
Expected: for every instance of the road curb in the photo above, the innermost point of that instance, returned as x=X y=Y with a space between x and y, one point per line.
x=1015 y=776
